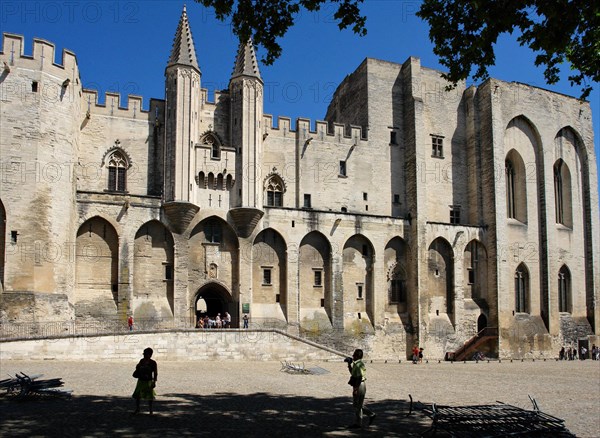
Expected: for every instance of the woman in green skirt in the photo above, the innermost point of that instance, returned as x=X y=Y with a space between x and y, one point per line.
x=146 y=372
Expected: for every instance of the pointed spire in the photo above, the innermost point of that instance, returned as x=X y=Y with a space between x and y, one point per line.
x=246 y=63
x=183 y=51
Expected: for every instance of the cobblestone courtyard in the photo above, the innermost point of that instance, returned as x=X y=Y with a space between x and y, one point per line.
x=257 y=399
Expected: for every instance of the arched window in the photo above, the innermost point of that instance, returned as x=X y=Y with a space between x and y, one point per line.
x=510 y=190
x=229 y=182
x=516 y=187
x=522 y=289
x=275 y=191
x=211 y=140
x=564 y=290
x=220 y=181
x=562 y=193
x=117 y=171
x=201 y=180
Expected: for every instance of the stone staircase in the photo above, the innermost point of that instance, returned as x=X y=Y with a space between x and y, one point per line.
x=464 y=352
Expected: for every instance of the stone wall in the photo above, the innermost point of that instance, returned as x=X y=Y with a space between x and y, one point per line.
x=179 y=345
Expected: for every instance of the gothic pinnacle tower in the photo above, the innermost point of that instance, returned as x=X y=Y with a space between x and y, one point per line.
x=182 y=106
x=246 y=90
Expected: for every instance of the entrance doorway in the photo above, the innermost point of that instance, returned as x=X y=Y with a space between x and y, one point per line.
x=213 y=299
x=481 y=322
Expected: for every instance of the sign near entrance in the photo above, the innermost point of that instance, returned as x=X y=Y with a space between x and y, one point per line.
x=245 y=307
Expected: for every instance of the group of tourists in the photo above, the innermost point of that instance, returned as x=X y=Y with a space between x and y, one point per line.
x=417 y=355
x=216 y=322
x=570 y=353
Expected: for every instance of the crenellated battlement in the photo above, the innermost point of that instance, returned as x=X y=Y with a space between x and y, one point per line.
x=323 y=131
x=112 y=106
x=42 y=58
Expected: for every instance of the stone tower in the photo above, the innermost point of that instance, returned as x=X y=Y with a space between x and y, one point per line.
x=182 y=83
x=246 y=90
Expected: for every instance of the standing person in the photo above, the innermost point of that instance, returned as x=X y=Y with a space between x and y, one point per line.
x=130 y=322
x=358 y=377
x=561 y=354
x=415 y=354
x=421 y=355
x=245 y=318
x=226 y=320
x=147 y=373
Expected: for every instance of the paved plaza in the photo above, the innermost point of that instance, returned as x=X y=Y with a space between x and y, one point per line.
x=247 y=399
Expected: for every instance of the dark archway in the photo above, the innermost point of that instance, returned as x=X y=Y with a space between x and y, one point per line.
x=481 y=322
x=212 y=299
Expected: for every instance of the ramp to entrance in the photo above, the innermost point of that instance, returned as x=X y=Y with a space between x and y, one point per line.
x=178 y=344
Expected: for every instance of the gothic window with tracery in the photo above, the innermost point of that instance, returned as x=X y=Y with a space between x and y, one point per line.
x=562 y=194
x=510 y=190
x=117 y=172
x=275 y=192
x=522 y=289
x=564 y=290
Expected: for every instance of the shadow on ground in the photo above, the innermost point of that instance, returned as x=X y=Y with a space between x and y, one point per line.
x=227 y=414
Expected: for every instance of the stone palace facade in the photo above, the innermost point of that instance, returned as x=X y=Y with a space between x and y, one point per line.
x=411 y=215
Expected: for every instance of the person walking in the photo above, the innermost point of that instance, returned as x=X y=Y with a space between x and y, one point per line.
x=358 y=377
x=130 y=322
x=146 y=371
x=245 y=318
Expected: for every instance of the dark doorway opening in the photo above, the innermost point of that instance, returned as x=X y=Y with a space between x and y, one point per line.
x=481 y=322
x=214 y=299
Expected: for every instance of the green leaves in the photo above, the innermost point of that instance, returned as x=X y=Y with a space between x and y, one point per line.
x=464 y=34
x=268 y=20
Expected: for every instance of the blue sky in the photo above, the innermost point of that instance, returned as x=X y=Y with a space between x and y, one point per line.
x=124 y=46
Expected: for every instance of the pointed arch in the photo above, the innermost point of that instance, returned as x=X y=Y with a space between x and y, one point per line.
x=441 y=277
x=565 y=298
x=563 y=207
x=475 y=269
x=117 y=162
x=516 y=187
x=358 y=261
x=214 y=256
x=395 y=264
x=153 y=270
x=522 y=291
x=274 y=190
x=212 y=140
x=314 y=271
x=269 y=272
x=96 y=260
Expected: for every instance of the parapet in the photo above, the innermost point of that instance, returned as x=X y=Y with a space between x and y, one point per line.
x=112 y=105
x=13 y=53
x=323 y=131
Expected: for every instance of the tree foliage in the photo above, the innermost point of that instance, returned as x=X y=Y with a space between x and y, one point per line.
x=464 y=34
x=267 y=20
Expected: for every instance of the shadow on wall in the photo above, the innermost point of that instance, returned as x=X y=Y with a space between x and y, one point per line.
x=227 y=414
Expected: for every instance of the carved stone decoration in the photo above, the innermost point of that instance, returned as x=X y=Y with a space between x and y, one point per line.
x=245 y=219
x=180 y=214
x=212 y=270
